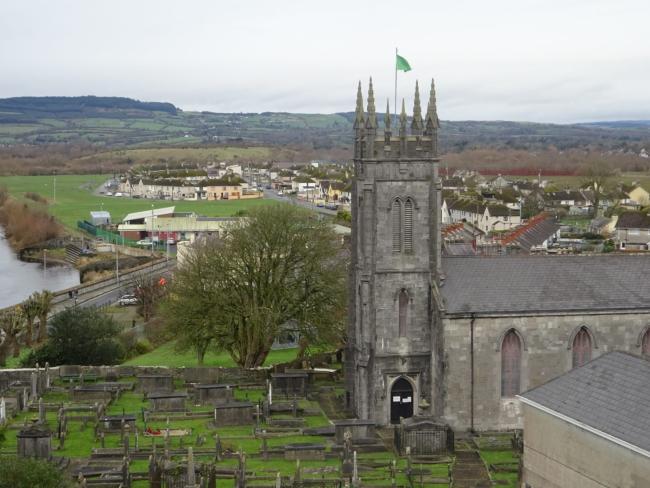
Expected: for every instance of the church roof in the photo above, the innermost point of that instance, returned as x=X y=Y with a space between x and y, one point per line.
x=511 y=284
x=609 y=395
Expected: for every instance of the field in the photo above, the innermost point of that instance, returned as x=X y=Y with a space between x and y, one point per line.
x=75 y=199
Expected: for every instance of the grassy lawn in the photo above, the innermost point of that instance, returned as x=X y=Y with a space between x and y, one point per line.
x=75 y=199
x=165 y=355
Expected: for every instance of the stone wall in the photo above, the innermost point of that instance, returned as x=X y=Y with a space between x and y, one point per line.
x=558 y=454
x=546 y=354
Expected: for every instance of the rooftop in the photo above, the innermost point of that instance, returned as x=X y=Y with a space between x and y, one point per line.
x=610 y=395
x=507 y=284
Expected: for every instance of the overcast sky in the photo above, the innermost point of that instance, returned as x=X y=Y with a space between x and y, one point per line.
x=551 y=60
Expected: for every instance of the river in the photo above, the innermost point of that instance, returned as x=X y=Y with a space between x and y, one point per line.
x=18 y=279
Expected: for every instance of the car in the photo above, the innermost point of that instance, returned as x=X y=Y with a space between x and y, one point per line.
x=109 y=194
x=171 y=241
x=320 y=204
x=126 y=300
x=332 y=206
x=143 y=242
x=119 y=194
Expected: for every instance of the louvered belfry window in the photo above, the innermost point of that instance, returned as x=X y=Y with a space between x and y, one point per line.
x=581 y=348
x=396 y=218
x=510 y=365
x=408 y=226
x=403 y=312
x=645 y=344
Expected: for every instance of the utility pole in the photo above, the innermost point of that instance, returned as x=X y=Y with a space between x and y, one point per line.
x=117 y=264
x=54 y=188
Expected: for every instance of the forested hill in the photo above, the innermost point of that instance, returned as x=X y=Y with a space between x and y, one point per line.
x=124 y=122
x=24 y=107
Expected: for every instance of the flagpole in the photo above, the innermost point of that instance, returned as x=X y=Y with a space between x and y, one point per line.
x=395 y=104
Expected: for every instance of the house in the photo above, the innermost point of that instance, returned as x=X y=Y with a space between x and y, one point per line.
x=633 y=231
x=174 y=226
x=488 y=218
x=589 y=427
x=640 y=196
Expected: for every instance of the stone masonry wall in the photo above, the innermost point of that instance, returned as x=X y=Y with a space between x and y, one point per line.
x=546 y=354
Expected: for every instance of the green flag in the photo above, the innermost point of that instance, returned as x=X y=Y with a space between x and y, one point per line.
x=401 y=63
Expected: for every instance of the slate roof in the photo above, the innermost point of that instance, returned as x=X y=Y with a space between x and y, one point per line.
x=610 y=394
x=545 y=283
x=633 y=220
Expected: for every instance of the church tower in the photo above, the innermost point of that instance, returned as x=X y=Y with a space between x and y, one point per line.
x=390 y=357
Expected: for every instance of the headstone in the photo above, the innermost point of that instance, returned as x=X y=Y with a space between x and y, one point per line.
x=265 y=447
x=217 y=449
x=3 y=411
x=355 y=470
x=102 y=440
x=34 y=384
x=278 y=480
x=47 y=375
x=35 y=441
x=41 y=411
x=191 y=477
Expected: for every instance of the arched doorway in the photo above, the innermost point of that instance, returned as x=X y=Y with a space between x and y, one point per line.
x=401 y=400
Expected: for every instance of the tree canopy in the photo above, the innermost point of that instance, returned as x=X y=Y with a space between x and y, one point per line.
x=80 y=336
x=279 y=265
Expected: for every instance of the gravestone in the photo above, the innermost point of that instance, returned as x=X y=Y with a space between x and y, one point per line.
x=233 y=413
x=304 y=452
x=289 y=384
x=155 y=383
x=167 y=402
x=360 y=430
x=35 y=441
x=216 y=394
x=114 y=422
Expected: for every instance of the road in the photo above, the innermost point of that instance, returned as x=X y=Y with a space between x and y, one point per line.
x=273 y=195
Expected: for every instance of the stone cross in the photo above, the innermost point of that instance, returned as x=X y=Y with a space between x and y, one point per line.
x=3 y=411
x=41 y=411
x=191 y=478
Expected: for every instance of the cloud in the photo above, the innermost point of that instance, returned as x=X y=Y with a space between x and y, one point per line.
x=542 y=61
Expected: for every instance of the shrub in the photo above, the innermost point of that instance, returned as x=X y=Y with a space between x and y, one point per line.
x=29 y=473
x=78 y=335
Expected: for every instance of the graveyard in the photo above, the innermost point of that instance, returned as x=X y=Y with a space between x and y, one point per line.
x=131 y=426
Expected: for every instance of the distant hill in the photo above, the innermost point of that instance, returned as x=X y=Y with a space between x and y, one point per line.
x=123 y=122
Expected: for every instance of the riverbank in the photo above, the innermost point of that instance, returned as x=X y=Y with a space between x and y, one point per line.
x=25 y=225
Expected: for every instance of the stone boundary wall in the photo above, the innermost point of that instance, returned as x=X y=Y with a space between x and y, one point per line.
x=190 y=375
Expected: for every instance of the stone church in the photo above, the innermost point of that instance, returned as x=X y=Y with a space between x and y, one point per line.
x=458 y=338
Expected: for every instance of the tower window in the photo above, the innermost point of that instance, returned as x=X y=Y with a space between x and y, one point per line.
x=510 y=364
x=581 y=348
x=396 y=221
x=403 y=312
x=408 y=226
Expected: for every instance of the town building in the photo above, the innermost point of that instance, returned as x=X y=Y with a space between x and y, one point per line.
x=633 y=231
x=458 y=338
x=589 y=427
x=488 y=218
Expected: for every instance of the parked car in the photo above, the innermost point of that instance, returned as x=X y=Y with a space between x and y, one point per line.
x=320 y=204
x=332 y=206
x=143 y=242
x=126 y=300
x=109 y=193
x=171 y=241
x=119 y=194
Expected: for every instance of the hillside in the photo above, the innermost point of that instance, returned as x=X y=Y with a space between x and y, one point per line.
x=123 y=122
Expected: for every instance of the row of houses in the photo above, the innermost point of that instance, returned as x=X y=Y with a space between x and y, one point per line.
x=486 y=217
x=186 y=190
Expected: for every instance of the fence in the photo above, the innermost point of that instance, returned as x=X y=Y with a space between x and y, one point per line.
x=433 y=439
x=113 y=238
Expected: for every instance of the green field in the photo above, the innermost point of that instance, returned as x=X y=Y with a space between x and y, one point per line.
x=75 y=199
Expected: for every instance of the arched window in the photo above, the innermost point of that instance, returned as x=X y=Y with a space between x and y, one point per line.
x=510 y=364
x=403 y=312
x=645 y=344
x=581 y=348
x=408 y=226
x=396 y=220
